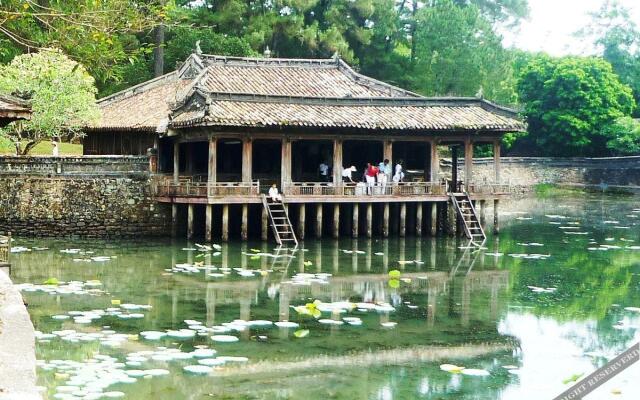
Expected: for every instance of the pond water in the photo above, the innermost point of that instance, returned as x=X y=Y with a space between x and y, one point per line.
x=555 y=297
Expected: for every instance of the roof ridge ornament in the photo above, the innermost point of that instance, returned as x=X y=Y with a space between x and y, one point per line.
x=336 y=56
x=198 y=50
x=267 y=52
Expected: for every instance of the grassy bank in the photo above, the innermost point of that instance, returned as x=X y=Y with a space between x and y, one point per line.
x=42 y=149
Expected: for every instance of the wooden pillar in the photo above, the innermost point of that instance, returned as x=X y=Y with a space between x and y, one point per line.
x=403 y=219
x=174 y=220
x=434 y=219
x=176 y=161
x=213 y=158
x=483 y=212
x=190 y=222
x=319 y=220
x=435 y=162
x=244 y=227
x=225 y=223
x=369 y=219
x=451 y=219
x=208 y=222
x=336 y=220
x=385 y=220
x=496 y=159
x=355 y=219
x=337 y=161
x=496 y=220
x=247 y=158
x=468 y=163
x=264 y=234
x=302 y=211
x=285 y=169
x=419 y=219
x=387 y=151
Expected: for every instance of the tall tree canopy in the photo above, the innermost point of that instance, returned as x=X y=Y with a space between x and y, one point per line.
x=569 y=102
x=62 y=96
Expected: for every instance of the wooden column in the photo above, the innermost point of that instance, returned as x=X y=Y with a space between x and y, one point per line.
x=188 y=156
x=403 y=219
x=496 y=159
x=264 y=234
x=468 y=163
x=244 y=227
x=208 y=222
x=190 y=221
x=302 y=211
x=435 y=162
x=355 y=219
x=176 y=161
x=385 y=220
x=419 y=219
x=387 y=151
x=451 y=219
x=483 y=213
x=434 y=219
x=336 y=220
x=225 y=223
x=212 y=170
x=247 y=158
x=369 y=219
x=337 y=161
x=319 y=220
x=496 y=219
x=174 y=220
x=285 y=171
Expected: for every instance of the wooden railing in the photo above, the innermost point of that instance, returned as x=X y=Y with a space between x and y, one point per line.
x=351 y=189
x=186 y=187
x=5 y=248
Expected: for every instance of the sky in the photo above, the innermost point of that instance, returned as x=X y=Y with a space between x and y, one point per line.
x=552 y=23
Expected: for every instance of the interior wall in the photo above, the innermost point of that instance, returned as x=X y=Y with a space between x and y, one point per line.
x=306 y=158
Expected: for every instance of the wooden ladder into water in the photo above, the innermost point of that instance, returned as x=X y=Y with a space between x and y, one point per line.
x=471 y=222
x=280 y=223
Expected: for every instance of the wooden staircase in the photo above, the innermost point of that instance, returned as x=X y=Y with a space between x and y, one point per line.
x=280 y=223
x=467 y=212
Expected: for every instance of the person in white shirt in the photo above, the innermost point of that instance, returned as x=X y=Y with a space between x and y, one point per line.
x=324 y=172
x=347 y=174
x=384 y=172
x=274 y=195
x=399 y=175
x=55 y=152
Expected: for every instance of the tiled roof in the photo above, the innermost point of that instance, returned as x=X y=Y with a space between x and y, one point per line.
x=425 y=114
x=255 y=92
x=141 y=108
x=12 y=108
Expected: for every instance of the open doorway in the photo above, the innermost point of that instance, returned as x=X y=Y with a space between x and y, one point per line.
x=266 y=161
x=307 y=155
x=358 y=153
x=415 y=159
x=229 y=160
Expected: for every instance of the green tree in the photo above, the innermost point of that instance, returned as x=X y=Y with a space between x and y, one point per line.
x=458 y=53
x=62 y=96
x=617 y=36
x=623 y=136
x=568 y=102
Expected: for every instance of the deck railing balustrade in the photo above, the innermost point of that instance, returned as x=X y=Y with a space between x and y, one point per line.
x=187 y=187
x=352 y=189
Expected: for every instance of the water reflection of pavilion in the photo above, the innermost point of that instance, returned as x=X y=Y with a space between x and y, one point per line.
x=467 y=276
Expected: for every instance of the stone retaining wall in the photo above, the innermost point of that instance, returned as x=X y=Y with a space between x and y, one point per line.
x=17 y=346
x=95 y=197
x=530 y=171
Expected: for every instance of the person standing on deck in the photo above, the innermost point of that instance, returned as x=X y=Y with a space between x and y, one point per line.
x=384 y=172
x=399 y=174
x=323 y=168
x=370 y=175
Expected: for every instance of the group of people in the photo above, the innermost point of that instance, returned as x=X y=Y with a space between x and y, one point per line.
x=376 y=174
